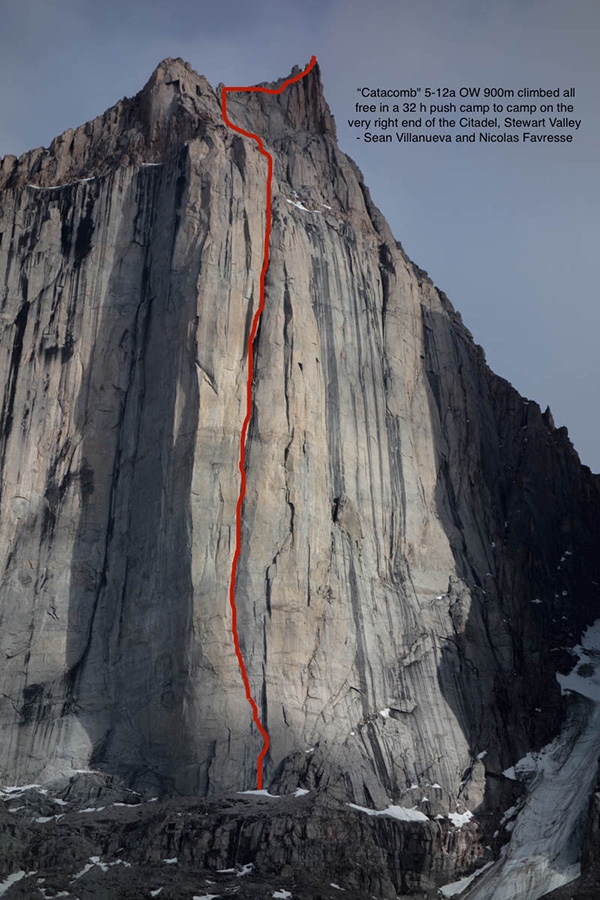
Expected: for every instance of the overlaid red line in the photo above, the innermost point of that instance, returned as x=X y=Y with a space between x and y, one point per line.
x=242 y=457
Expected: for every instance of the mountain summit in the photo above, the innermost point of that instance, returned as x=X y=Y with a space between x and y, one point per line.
x=419 y=542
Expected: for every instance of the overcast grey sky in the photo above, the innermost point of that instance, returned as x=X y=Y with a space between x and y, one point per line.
x=509 y=232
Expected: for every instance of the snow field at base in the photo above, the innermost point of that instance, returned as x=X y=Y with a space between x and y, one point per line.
x=457 y=887
x=546 y=836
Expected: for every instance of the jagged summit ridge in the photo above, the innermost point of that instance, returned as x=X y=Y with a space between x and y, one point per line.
x=175 y=106
x=302 y=107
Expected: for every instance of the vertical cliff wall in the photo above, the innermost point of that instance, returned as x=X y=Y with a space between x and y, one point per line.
x=418 y=540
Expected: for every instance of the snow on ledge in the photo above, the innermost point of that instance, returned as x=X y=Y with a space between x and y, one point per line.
x=299 y=205
x=395 y=812
x=460 y=819
x=261 y=793
x=12 y=879
x=57 y=187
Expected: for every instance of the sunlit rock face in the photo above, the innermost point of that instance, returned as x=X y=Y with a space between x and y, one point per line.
x=419 y=542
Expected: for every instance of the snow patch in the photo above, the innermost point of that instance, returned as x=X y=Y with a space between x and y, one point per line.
x=18 y=789
x=12 y=879
x=243 y=870
x=83 y=871
x=299 y=205
x=385 y=712
x=98 y=862
x=171 y=862
x=395 y=812
x=262 y=793
x=460 y=819
x=57 y=187
x=282 y=895
x=301 y=792
x=51 y=896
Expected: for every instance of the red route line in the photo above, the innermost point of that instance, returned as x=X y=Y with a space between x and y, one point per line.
x=242 y=458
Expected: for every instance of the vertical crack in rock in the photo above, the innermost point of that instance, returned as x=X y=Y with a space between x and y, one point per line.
x=6 y=416
x=253 y=335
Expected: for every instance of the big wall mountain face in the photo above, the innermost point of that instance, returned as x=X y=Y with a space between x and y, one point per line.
x=406 y=508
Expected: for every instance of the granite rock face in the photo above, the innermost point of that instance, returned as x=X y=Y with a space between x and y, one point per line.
x=419 y=541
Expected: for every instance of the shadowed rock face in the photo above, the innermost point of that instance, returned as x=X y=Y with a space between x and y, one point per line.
x=418 y=539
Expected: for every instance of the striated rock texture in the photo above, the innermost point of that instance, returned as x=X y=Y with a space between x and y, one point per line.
x=419 y=541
